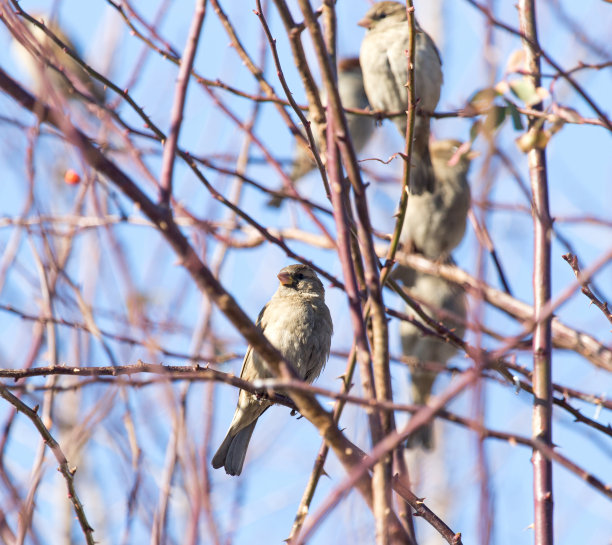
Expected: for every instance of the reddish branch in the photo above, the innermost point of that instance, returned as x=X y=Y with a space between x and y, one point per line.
x=409 y=142
x=391 y=441
x=563 y=335
x=538 y=317
x=380 y=335
x=296 y=108
x=64 y=468
x=542 y=335
x=530 y=40
x=176 y=114
x=204 y=279
x=318 y=469
x=269 y=387
x=572 y=261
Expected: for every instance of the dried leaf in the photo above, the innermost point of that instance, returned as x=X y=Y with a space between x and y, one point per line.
x=517 y=61
x=556 y=126
x=502 y=87
x=567 y=114
x=542 y=93
x=482 y=100
x=527 y=141
x=543 y=137
x=533 y=139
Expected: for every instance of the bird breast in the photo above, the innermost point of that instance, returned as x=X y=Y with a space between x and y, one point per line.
x=301 y=330
x=385 y=69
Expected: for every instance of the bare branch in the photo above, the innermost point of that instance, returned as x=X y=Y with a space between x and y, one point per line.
x=64 y=467
x=572 y=261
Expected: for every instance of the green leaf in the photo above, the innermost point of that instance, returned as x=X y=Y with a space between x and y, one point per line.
x=525 y=90
x=517 y=121
x=475 y=130
x=495 y=117
x=522 y=89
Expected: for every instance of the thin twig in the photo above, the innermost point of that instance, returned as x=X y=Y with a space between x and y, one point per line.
x=531 y=41
x=563 y=336
x=201 y=275
x=178 y=104
x=64 y=467
x=572 y=261
x=542 y=342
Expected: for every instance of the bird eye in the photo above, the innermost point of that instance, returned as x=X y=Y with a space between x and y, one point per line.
x=299 y=276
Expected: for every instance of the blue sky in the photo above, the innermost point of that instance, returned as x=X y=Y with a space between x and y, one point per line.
x=283 y=448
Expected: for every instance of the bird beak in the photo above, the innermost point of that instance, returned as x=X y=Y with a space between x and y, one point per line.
x=366 y=22
x=463 y=151
x=285 y=278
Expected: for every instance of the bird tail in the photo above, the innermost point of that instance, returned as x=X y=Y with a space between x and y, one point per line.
x=421 y=385
x=275 y=201
x=423 y=437
x=404 y=274
x=302 y=164
x=422 y=178
x=233 y=450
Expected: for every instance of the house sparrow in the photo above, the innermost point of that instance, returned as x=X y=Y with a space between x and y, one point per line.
x=297 y=322
x=35 y=51
x=352 y=95
x=435 y=221
x=385 y=76
x=436 y=293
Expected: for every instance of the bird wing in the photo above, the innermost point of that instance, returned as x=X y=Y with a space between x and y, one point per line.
x=398 y=66
x=428 y=40
x=261 y=324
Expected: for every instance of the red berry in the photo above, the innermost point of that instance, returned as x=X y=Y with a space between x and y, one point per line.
x=71 y=177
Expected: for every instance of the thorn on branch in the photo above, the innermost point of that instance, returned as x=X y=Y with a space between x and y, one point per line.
x=572 y=261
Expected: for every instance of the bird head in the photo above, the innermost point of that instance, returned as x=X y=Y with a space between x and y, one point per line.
x=452 y=154
x=300 y=278
x=383 y=14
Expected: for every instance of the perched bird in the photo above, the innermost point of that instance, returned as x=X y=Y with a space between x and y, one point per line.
x=437 y=293
x=352 y=95
x=49 y=65
x=435 y=221
x=297 y=322
x=385 y=76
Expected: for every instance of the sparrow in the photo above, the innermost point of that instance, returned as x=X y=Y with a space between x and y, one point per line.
x=385 y=75
x=297 y=322
x=352 y=95
x=433 y=293
x=435 y=221
x=38 y=54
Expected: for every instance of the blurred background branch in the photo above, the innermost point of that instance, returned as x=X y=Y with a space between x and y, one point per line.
x=105 y=106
